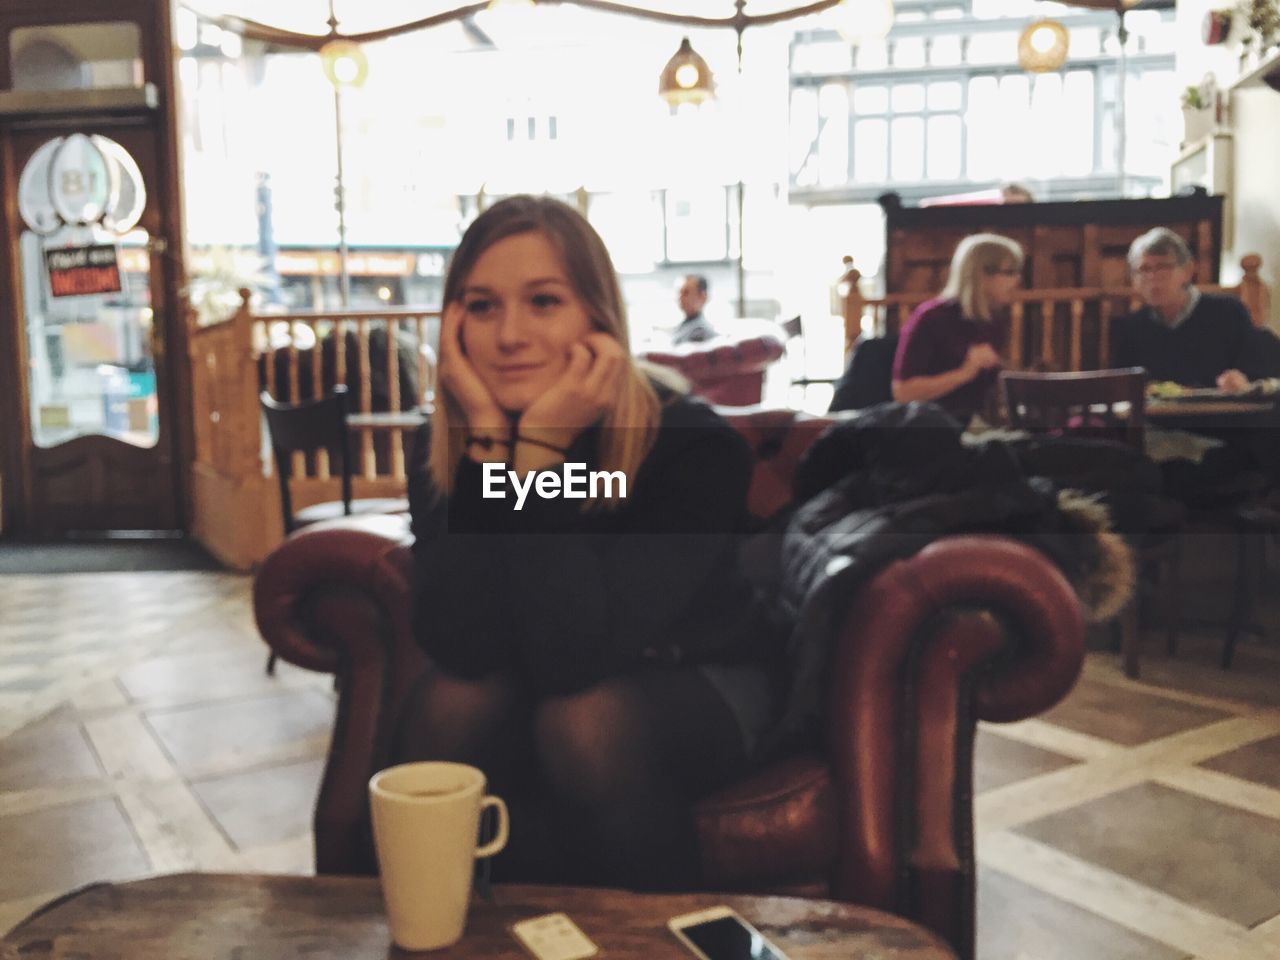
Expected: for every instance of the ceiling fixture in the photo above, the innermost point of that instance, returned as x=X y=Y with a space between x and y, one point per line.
x=344 y=62
x=686 y=78
x=1043 y=46
x=864 y=21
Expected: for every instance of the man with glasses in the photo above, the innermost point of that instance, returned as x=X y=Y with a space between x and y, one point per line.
x=1180 y=334
x=1199 y=340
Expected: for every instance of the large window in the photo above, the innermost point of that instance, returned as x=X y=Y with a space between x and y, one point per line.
x=942 y=105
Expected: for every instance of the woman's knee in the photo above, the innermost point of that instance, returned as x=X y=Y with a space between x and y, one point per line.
x=448 y=718
x=594 y=743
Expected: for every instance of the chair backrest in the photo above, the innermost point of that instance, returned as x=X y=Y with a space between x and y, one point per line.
x=303 y=428
x=779 y=439
x=727 y=370
x=1107 y=403
x=868 y=379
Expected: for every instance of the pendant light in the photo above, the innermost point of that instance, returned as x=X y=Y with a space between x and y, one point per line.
x=1043 y=46
x=686 y=78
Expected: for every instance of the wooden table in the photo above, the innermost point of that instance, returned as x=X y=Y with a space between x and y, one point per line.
x=397 y=420
x=224 y=917
x=1176 y=409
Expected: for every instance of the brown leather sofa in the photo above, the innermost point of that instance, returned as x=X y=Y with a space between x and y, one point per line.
x=971 y=628
x=728 y=371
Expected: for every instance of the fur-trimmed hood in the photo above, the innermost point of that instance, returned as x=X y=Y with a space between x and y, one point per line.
x=882 y=486
x=1107 y=576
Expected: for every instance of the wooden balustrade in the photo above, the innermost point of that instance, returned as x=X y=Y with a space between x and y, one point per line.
x=1066 y=328
x=297 y=356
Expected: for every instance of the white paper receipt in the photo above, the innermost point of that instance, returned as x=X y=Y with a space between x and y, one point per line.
x=553 y=936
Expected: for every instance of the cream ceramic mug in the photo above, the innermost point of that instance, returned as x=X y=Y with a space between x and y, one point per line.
x=426 y=819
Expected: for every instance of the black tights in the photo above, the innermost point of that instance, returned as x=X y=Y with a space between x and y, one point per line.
x=600 y=782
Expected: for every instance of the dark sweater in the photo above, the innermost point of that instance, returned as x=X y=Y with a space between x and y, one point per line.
x=1216 y=336
x=936 y=339
x=567 y=597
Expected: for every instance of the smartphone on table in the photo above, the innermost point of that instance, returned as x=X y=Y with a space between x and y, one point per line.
x=719 y=933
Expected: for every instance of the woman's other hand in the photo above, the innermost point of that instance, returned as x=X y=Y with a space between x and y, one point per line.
x=459 y=377
x=1233 y=381
x=981 y=356
x=587 y=389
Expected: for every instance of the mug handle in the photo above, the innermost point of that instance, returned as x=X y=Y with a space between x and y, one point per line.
x=500 y=839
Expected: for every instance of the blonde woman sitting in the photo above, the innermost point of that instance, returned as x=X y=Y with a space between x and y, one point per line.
x=949 y=350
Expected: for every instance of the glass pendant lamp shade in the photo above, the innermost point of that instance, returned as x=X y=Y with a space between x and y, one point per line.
x=344 y=63
x=686 y=78
x=864 y=21
x=1043 y=46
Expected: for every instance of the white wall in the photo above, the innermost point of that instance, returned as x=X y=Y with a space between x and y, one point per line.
x=1256 y=197
x=1254 y=121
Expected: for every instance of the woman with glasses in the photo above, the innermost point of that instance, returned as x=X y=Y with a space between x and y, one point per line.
x=949 y=350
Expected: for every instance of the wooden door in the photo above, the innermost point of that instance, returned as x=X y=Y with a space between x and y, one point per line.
x=94 y=396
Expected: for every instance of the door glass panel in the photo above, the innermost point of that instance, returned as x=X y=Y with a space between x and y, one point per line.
x=90 y=366
x=76 y=56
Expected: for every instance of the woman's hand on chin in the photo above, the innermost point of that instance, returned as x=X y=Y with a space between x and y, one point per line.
x=459 y=377
x=588 y=388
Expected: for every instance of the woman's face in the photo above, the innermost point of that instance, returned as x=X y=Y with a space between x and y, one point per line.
x=520 y=316
x=999 y=283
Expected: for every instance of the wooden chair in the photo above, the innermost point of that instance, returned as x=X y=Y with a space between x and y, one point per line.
x=1110 y=403
x=1107 y=404
x=306 y=428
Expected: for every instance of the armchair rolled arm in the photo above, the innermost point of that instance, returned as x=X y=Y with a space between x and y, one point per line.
x=336 y=598
x=972 y=627
x=366 y=554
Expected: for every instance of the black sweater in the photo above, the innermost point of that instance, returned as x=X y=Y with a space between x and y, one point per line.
x=567 y=597
x=1216 y=336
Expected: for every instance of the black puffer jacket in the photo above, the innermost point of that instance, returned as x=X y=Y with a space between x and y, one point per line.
x=882 y=486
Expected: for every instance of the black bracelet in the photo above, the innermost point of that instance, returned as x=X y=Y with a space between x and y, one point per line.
x=563 y=451
x=486 y=443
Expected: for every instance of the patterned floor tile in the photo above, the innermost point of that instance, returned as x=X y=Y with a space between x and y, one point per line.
x=47 y=754
x=241 y=732
x=263 y=807
x=1258 y=763
x=1207 y=854
x=1126 y=717
x=998 y=761
x=1018 y=922
x=211 y=674
x=58 y=849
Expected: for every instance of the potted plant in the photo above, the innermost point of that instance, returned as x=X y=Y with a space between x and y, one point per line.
x=1197 y=111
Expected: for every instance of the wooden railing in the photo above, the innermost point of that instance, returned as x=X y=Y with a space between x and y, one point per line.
x=297 y=356
x=1058 y=329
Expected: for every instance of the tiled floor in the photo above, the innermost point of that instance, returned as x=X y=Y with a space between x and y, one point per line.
x=139 y=734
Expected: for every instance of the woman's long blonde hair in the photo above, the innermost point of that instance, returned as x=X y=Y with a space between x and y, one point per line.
x=632 y=425
x=975 y=256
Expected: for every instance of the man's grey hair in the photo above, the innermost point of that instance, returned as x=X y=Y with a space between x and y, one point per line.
x=699 y=281
x=1160 y=242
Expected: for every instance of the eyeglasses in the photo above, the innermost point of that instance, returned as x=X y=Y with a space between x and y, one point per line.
x=1003 y=271
x=1151 y=269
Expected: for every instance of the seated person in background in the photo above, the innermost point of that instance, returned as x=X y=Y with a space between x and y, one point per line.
x=1199 y=340
x=1180 y=334
x=1015 y=193
x=597 y=659
x=693 y=297
x=949 y=349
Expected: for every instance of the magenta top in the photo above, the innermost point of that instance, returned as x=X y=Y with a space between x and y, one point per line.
x=935 y=340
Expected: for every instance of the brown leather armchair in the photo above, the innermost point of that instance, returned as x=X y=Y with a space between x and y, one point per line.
x=727 y=370
x=970 y=628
